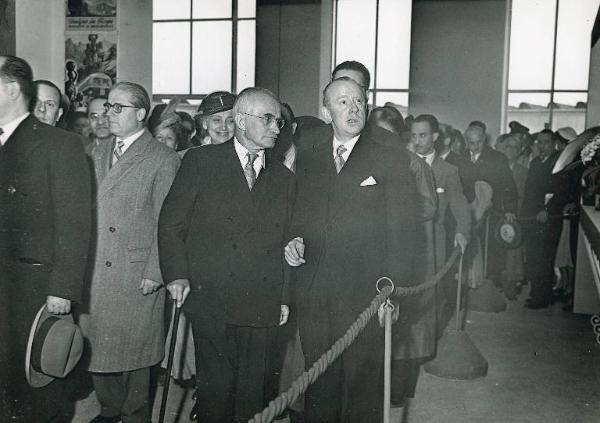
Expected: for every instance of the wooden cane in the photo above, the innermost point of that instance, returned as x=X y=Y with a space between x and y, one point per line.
x=165 y=394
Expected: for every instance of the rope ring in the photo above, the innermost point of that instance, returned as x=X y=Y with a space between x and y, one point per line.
x=595 y=319
x=384 y=279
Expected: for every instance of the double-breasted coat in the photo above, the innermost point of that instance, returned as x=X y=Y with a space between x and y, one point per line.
x=45 y=219
x=126 y=328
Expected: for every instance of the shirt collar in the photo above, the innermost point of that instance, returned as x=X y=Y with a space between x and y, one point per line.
x=348 y=144
x=130 y=139
x=446 y=154
x=10 y=127
x=243 y=151
x=428 y=157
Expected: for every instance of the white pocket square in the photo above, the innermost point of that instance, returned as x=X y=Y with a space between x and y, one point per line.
x=440 y=190
x=368 y=182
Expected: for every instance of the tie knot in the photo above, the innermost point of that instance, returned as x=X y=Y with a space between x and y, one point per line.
x=120 y=144
x=340 y=150
x=251 y=157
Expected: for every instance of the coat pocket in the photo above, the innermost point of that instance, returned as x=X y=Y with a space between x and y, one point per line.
x=138 y=254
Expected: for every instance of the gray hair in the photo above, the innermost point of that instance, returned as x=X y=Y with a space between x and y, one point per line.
x=244 y=99
x=343 y=78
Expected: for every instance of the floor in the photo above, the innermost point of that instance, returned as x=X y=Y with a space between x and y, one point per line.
x=544 y=366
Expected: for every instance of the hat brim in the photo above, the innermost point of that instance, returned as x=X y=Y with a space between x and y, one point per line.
x=35 y=378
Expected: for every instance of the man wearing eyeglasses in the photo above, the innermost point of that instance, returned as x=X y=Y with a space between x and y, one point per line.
x=126 y=321
x=221 y=233
x=354 y=222
x=49 y=105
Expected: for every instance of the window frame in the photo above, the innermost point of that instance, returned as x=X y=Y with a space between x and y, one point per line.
x=234 y=19
x=373 y=91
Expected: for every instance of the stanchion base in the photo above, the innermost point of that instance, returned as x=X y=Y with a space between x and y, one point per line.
x=457 y=358
x=486 y=298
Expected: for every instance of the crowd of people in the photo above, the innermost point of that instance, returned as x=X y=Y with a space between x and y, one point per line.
x=269 y=230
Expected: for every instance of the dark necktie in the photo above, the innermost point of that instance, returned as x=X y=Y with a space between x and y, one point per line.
x=339 y=160
x=249 y=171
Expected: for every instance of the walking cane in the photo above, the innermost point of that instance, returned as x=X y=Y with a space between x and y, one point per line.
x=165 y=394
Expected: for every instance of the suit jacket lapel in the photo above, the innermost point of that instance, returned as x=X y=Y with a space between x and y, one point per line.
x=133 y=155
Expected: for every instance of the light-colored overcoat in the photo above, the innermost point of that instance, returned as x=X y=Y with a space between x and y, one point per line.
x=125 y=328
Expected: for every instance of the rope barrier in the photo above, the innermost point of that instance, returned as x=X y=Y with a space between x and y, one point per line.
x=301 y=384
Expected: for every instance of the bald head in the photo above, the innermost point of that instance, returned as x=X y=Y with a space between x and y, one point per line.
x=257 y=116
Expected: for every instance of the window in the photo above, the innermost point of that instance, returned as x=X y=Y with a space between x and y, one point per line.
x=377 y=34
x=549 y=62
x=201 y=46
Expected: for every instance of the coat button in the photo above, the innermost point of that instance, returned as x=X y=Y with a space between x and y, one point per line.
x=112 y=229
x=108 y=264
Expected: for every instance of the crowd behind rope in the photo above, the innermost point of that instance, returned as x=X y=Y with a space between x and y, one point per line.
x=268 y=229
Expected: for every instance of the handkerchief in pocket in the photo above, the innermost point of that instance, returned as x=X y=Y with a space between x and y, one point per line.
x=368 y=182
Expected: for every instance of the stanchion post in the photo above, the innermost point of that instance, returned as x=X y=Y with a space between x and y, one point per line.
x=459 y=292
x=387 y=373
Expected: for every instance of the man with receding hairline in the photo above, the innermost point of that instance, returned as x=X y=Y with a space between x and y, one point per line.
x=45 y=225
x=49 y=103
x=354 y=222
x=221 y=236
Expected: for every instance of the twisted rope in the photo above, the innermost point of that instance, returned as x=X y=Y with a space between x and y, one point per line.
x=301 y=384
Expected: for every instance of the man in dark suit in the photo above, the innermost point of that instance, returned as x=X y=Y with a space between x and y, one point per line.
x=45 y=217
x=221 y=236
x=492 y=167
x=542 y=197
x=354 y=222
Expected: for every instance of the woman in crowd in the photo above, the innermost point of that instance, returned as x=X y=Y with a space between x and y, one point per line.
x=216 y=117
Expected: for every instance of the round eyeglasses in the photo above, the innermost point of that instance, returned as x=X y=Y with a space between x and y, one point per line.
x=269 y=119
x=117 y=107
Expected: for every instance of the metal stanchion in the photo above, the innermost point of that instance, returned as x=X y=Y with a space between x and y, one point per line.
x=387 y=370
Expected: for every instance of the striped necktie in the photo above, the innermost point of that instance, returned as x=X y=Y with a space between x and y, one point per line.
x=249 y=171
x=118 y=151
x=339 y=159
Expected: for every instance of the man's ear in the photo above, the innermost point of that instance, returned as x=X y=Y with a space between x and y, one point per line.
x=141 y=114
x=60 y=113
x=294 y=127
x=436 y=135
x=326 y=115
x=14 y=90
x=240 y=121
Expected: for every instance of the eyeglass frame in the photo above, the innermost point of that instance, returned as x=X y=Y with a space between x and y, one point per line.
x=269 y=119
x=117 y=107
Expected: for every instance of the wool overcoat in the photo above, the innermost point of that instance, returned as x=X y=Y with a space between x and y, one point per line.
x=126 y=328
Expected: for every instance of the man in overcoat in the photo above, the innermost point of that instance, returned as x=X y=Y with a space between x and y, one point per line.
x=126 y=320
x=45 y=215
x=221 y=235
x=354 y=222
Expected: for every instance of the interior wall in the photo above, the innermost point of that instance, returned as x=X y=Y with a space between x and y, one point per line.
x=457 y=59
x=7 y=28
x=40 y=39
x=288 y=51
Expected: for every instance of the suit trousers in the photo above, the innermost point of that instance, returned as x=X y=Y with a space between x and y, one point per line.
x=124 y=394
x=541 y=242
x=351 y=390
x=237 y=371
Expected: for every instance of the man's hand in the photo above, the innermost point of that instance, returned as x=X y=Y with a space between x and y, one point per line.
x=542 y=216
x=510 y=217
x=179 y=290
x=294 y=252
x=569 y=209
x=57 y=305
x=285 y=314
x=148 y=286
x=461 y=241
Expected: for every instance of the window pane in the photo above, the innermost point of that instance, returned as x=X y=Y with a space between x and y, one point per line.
x=531 y=44
x=393 y=55
x=208 y=9
x=246 y=8
x=355 y=32
x=171 y=58
x=569 y=110
x=530 y=109
x=211 y=58
x=575 y=22
x=171 y=9
x=246 y=54
x=399 y=100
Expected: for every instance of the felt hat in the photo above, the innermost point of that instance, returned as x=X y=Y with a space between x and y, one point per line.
x=54 y=347
x=216 y=102
x=567 y=133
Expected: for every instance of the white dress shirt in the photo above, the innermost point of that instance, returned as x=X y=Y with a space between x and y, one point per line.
x=10 y=127
x=428 y=157
x=242 y=152
x=348 y=144
x=130 y=140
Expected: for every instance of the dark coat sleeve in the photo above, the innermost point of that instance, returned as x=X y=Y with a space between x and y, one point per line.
x=70 y=186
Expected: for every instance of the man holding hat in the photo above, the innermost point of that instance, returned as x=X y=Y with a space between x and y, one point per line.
x=45 y=222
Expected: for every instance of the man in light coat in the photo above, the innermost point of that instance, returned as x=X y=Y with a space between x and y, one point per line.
x=126 y=329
